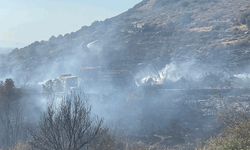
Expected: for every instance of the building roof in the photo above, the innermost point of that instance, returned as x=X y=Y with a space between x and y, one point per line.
x=86 y=68
x=66 y=75
x=71 y=77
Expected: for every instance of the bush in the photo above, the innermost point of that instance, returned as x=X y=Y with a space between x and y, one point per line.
x=51 y=87
x=248 y=22
x=160 y=3
x=243 y=16
x=186 y=18
x=69 y=125
x=20 y=146
x=242 y=42
x=205 y=1
x=185 y=4
x=52 y=38
x=12 y=120
x=236 y=134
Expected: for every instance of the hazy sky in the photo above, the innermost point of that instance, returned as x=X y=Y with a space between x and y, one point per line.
x=25 y=21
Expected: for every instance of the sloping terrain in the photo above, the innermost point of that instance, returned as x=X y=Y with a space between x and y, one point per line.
x=212 y=33
x=184 y=35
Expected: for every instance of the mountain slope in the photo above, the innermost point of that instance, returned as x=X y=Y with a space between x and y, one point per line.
x=212 y=33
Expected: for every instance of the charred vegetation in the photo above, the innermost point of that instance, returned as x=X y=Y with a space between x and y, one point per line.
x=152 y=73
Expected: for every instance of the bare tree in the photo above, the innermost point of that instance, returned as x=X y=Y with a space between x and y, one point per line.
x=12 y=124
x=67 y=126
x=12 y=121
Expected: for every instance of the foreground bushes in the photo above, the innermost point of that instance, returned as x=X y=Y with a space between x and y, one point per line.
x=103 y=143
x=20 y=146
x=236 y=132
x=69 y=125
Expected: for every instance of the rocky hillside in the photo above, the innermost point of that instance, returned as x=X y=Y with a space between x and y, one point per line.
x=212 y=33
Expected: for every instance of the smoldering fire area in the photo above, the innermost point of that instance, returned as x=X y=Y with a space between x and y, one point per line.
x=157 y=76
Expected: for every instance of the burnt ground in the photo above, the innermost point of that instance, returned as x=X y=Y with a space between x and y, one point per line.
x=171 y=117
x=212 y=34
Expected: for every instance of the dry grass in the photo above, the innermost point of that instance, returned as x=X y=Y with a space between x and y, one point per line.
x=236 y=134
x=202 y=29
x=107 y=141
x=20 y=146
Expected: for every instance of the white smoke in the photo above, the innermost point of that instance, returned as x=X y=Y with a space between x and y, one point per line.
x=242 y=76
x=171 y=72
x=94 y=47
